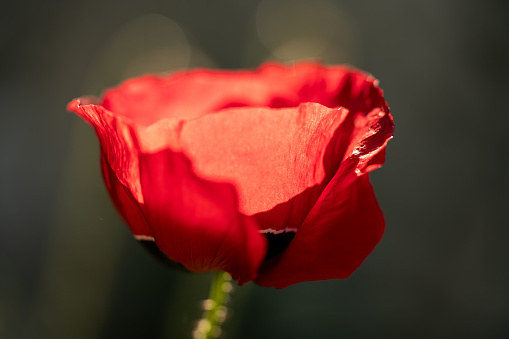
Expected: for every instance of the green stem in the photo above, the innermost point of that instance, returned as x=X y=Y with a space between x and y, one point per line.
x=215 y=311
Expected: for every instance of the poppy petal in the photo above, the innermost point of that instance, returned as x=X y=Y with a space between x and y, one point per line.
x=125 y=203
x=151 y=98
x=271 y=156
x=196 y=222
x=332 y=245
x=119 y=162
x=345 y=224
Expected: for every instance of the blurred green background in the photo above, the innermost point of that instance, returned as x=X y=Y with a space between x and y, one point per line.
x=69 y=268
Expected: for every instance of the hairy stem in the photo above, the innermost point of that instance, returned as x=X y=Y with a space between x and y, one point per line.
x=214 y=308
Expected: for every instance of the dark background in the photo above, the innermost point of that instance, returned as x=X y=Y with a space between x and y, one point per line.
x=69 y=268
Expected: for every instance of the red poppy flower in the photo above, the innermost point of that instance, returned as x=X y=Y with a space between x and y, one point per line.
x=262 y=174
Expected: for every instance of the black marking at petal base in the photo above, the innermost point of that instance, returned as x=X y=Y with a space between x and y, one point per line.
x=160 y=256
x=277 y=243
